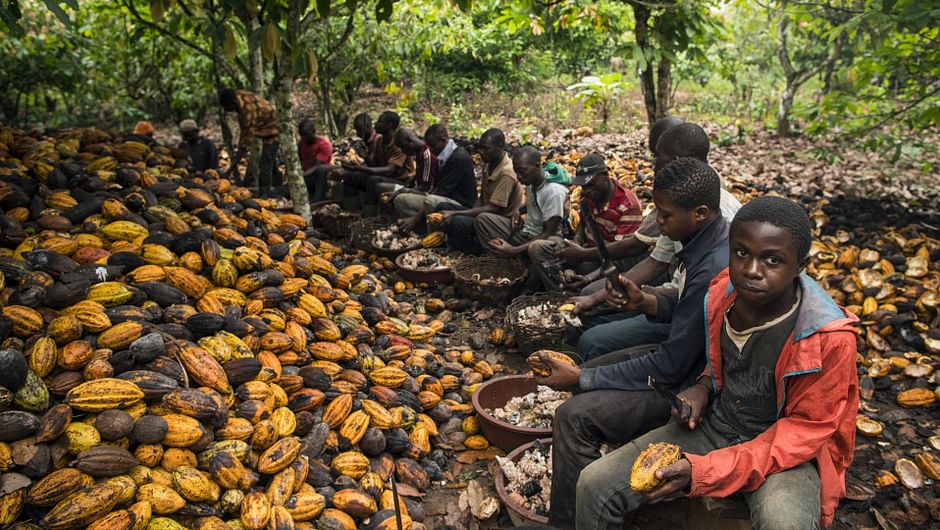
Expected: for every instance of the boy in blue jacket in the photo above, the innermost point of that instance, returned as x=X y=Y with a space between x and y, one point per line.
x=614 y=403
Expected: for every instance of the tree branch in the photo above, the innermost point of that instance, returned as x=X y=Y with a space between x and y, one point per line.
x=897 y=112
x=343 y=38
x=129 y=4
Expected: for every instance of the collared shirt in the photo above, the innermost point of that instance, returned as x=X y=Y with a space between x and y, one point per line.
x=500 y=187
x=256 y=119
x=447 y=151
x=616 y=219
x=426 y=169
x=203 y=154
x=318 y=152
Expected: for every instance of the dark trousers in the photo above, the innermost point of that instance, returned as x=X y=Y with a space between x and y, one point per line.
x=461 y=234
x=268 y=175
x=316 y=183
x=590 y=419
x=356 y=182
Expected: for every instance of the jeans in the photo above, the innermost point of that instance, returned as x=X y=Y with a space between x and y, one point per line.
x=625 y=333
x=590 y=419
x=787 y=500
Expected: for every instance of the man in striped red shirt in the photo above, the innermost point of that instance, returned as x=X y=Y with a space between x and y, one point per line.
x=616 y=210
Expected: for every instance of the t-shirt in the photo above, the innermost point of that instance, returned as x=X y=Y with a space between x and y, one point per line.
x=616 y=219
x=256 y=119
x=389 y=154
x=426 y=169
x=747 y=403
x=500 y=187
x=203 y=154
x=319 y=152
x=455 y=178
x=543 y=203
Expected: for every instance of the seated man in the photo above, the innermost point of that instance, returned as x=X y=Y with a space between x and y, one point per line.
x=455 y=184
x=615 y=404
x=426 y=166
x=778 y=344
x=616 y=211
x=500 y=194
x=627 y=249
x=389 y=164
x=201 y=150
x=624 y=329
x=316 y=155
x=546 y=207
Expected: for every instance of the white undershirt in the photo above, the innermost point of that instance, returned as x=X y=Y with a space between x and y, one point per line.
x=740 y=338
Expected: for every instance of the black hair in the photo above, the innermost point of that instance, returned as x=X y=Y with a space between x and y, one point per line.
x=227 y=97
x=782 y=213
x=689 y=182
x=402 y=135
x=307 y=122
x=685 y=139
x=661 y=126
x=362 y=120
x=435 y=132
x=390 y=117
x=528 y=153
x=493 y=136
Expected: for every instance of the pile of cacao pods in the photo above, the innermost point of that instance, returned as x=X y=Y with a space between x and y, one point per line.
x=889 y=276
x=178 y=354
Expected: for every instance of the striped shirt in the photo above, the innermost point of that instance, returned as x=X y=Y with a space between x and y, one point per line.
x=617 y=219
x=426 y=169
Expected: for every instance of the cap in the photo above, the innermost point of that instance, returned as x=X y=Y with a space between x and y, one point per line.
x=144 y=128
x=188 y=125
x=588 y=167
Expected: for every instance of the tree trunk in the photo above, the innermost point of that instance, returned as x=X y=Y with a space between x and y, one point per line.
x=641 y=15
x=783 y=111
x=663 y=88
x=284 y=87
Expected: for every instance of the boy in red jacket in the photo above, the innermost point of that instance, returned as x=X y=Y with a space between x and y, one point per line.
x=772 y=417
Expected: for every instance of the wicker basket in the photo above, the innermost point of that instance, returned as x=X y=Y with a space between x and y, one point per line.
x=361 y=232
x=469 y=272
x=531 y=337
x=315 y=216
x=339 y=225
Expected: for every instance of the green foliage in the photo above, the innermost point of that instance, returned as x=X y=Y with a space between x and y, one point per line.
x=96 y=70
x=600 y=91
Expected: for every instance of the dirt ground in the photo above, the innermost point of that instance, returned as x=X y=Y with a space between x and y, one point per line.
x=870 y=195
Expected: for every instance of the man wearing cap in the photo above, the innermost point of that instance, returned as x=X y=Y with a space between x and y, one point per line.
x=615 y=209
x=201 y=150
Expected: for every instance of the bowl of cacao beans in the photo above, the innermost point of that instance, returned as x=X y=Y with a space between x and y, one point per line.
x=514 y=410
